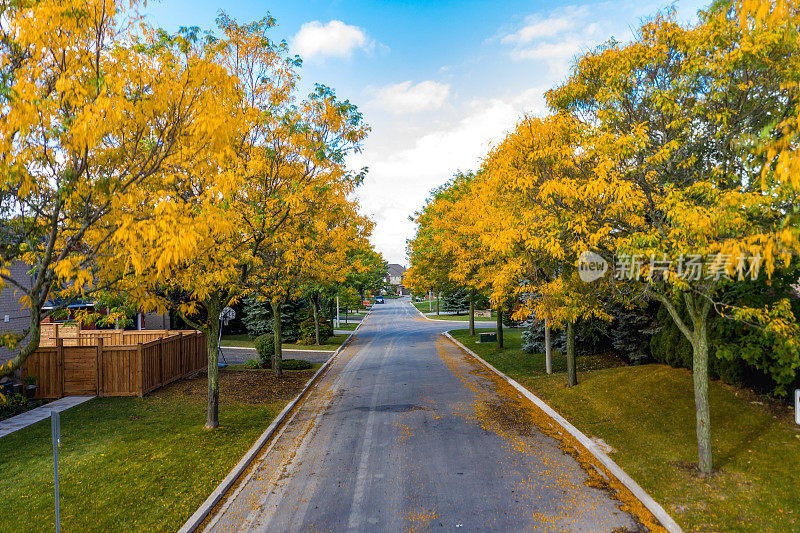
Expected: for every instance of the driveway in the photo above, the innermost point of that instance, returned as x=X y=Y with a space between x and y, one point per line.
x=406 y=432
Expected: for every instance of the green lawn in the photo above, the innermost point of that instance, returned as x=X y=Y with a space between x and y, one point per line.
x=423 y=306
x=463 y=318
x=141 y=464
x=646 y=413
x=350 y=326
x=244 y=341
x=240 y=341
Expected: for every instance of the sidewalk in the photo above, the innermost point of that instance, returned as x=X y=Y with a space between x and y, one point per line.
x=15 y=423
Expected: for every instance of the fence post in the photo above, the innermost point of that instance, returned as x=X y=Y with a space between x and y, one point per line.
x=100 y=366
x=60 y=359
x=140 y=369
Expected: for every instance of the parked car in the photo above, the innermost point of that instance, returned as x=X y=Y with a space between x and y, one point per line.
x=379 y=299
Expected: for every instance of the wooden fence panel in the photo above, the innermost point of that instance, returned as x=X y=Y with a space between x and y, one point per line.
x=151 y=366
x=79 y=370
x=171 y=358
x=94 y=363
x=45 y=365
x=119 y=371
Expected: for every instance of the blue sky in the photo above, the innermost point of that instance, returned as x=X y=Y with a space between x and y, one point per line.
x=439 y=82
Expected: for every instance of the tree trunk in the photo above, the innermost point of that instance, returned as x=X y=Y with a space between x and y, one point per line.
x=212 y=347
x=315 y=311
x=572 y=373
x=499 y=326
x=438 y=297
x=548 y=348
x=702 y=409
x=276 y=330
x=472 y=312
x=698 y=337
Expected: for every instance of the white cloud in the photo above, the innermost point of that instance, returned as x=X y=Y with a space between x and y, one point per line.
x=334 y=39
x=400 y=179
x=404 y=97
x=537 y=27
x=556 y=38
x=550 y=52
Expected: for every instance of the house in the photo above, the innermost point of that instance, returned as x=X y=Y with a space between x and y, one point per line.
x=13 y=318
x=394 y=277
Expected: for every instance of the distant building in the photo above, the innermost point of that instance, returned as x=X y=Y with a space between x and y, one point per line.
x=395 y=275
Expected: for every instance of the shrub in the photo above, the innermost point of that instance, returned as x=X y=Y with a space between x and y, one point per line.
x=455 y=300
x=252 y=364
x=590 y=338
x=265 y=346
x=258 y=318
x=632 y=330
x=295 y=364
x=307 y=332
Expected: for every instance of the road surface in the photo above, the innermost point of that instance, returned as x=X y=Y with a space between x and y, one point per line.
x=405 y=432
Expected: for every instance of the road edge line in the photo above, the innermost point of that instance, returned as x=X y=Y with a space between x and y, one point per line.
x=653 y=506
x=202 y=512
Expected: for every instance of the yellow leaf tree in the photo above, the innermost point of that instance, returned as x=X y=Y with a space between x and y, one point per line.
x=94 y=120
x=682 y=192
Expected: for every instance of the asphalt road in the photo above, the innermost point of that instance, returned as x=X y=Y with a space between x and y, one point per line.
x=405 y=432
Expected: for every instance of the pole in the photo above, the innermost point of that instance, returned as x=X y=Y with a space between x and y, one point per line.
x=548 y=353
x=337 y=310
x=55 y=430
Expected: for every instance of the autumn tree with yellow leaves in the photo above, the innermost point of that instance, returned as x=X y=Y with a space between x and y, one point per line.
x=440 y=253
x=673 y=158
x=530 y=226
x=94 y=121
x=281 y=174
x=181 y=170
x=679 y=173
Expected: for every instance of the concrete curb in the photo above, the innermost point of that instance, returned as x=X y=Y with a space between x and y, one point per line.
x=226 y=484
x=653 y=506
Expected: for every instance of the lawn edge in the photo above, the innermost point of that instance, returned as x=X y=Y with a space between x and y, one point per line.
x=230 y=480
x=653 y=506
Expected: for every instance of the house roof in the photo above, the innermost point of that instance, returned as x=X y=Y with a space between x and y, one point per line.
x=396 y=270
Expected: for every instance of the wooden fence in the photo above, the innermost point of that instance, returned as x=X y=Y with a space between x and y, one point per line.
x=114 y=363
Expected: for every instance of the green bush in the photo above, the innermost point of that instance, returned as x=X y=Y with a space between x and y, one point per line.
x=252 y=364
x=307 y=332
x=669 y=345
x=728 y=351
x=295 y=364
x=265 y=346
x=590 y=338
